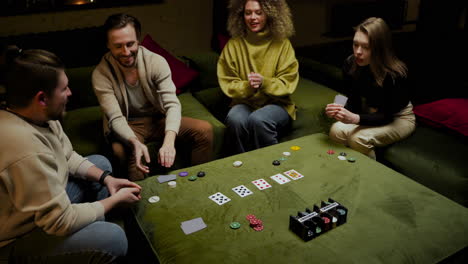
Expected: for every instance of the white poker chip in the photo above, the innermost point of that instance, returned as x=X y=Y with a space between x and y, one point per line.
x=341 y=157
x=172 y=184
x=286 y=154
x=153 y=199
x=237 y=163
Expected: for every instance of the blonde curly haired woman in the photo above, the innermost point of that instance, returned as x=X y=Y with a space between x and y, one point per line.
x=258 y=70
x=378 y=112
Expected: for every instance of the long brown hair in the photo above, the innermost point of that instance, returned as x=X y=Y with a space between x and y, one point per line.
x=383 y=60
x=279 y=18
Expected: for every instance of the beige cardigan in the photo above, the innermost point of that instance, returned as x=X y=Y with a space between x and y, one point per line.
x=156 y=81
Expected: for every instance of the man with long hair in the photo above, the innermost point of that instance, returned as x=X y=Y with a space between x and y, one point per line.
x=258 y=70
x=378 y=112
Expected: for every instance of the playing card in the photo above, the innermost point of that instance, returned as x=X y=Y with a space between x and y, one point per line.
x=280 y=178
x=293 y=174
x=219 y=198
x=261 y=184
x=193 y=225
x=242 y=191
x=166 y=178
x=341 y=99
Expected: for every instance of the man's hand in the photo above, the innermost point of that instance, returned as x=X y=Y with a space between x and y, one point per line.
x=255 y=80
x=342 y=114
x=167 y=152
x=127 y=195
x=140 y=150
x=115 y=184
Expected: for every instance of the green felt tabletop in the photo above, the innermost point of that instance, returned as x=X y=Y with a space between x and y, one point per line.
x=392 y=219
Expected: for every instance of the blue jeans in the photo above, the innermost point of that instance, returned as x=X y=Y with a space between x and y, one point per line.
x=248 y=130
x=98 y=242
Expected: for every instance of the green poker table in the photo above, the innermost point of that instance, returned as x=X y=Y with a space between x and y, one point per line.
x=391 y=218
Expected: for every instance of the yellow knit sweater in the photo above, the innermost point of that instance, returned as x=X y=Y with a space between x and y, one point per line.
x=258 y=52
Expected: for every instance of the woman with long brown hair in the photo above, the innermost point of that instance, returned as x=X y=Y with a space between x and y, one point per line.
x=259 y=71
x=378 y=111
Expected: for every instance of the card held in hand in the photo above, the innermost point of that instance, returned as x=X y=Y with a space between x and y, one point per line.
x=340 y=99
x=219 y=198
x=242 y=191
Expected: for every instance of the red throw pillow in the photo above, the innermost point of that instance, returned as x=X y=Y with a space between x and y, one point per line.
x=222 y=40
x=181 y=73
x=450 y=113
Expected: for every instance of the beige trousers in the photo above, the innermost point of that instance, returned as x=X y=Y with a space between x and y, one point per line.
x=365 y=138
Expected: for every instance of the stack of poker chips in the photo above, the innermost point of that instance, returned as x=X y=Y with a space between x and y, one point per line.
x=255 y=223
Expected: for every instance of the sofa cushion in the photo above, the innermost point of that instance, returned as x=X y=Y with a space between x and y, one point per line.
x=83 y=127
x=79 y=81
x=182 y=75
x=449 y=113
x=428 y=157
x=206 y=64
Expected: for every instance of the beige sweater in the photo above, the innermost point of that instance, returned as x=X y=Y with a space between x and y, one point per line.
x=155 y=79
x=35 y=163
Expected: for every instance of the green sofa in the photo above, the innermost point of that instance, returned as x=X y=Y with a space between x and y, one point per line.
x=428 y=156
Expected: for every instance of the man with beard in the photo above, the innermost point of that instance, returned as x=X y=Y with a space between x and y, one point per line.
x=52 y=200
x=137 y=95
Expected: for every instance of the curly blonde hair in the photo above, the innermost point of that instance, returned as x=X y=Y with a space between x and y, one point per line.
x=279 y=18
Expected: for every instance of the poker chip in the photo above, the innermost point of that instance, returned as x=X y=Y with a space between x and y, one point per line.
x=258 y=228
x=201 y=174
x=318 y=230
x=192 y=178
x=341 y=157
x=341 y=211
x=250 y=216
x=237 y=163
x=172 y=184
x=235 y=225
x=276 y=162
x=153 y=199
x=287 y=154
x=183 y=173
x=331 y=152
x=295 y=148
x=283 y=159
x=351 y=159
x=334 y=220
x=343 y=154
x=326 y=220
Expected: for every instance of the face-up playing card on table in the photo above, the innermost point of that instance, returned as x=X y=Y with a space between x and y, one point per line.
x=340 y=99
x=219 y=198
x=293 y=174
x=280 y=178
x=193 y=225
x=261 y=184
x=242 y=191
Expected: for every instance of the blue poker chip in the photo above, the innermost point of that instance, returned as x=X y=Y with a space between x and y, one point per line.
x=183 y=173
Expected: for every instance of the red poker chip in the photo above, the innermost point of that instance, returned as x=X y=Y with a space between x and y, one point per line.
x=250 y=216
x=255 y=222
x=258 y=228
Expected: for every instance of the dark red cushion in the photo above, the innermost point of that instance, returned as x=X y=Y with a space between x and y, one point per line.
x=181 y=73
x=451 y=113
x=222 y=40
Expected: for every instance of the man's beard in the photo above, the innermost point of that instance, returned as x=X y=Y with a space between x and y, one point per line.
x=132 y=55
